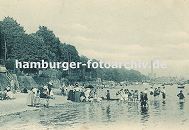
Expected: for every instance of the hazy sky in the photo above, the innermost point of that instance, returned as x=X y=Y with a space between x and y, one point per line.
x=116 y=30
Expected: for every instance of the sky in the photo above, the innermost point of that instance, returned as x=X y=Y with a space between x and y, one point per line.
x=114 y=30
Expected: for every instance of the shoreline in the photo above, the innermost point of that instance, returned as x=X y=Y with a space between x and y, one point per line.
x=18 y=104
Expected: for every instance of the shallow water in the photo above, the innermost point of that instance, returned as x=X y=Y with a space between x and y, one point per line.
x=107 y=114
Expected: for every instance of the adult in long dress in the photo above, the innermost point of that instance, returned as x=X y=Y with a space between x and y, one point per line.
x=71 y=95
x=30 y=99
x=37 y=98
x=77 y=94
x=87 y=93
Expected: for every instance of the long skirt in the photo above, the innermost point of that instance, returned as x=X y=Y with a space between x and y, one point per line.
x=36 y=101
x=30 y=99
x=71 y=95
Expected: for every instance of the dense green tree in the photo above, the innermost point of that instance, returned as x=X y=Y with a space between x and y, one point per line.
x=13 y=34
x=51 y=41
x=68 y=53
x=44 y=45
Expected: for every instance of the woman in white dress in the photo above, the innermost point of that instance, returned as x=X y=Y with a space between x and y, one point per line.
x=87 y=93
x=30 y=98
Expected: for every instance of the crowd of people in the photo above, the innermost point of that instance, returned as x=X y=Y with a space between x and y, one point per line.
x=80 y=93
x=6 y=94
x=126 y=95
x=134 y=95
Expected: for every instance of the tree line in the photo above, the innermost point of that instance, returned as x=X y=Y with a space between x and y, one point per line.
x=45 y=45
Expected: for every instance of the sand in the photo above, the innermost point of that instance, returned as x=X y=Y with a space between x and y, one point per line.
x=18 y=104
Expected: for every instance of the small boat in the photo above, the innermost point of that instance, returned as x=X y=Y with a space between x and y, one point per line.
x=112 y=99
x=181 y=86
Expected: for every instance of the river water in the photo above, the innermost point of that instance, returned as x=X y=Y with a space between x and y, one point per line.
x=170 y=114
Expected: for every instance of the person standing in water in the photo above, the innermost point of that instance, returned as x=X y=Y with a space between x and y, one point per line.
x=135 y=95
x=181 y=95
x=151 y=91
x=108 y=95
x=156 y=92
x=143 y=99
x=146 y=94
x=163 y=93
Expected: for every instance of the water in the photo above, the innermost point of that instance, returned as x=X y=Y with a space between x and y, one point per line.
x=108 y=114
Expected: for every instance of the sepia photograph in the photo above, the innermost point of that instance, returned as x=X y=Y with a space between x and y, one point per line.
x=94 y=64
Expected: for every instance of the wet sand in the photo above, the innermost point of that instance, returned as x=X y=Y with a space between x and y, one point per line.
x=14 y=105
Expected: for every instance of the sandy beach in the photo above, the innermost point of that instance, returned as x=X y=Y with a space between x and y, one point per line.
x=19 y=104
x=17 y=108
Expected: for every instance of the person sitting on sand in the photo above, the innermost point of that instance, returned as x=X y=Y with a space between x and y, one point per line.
x=9 y=94
x=4 y=94
x=25 y=90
